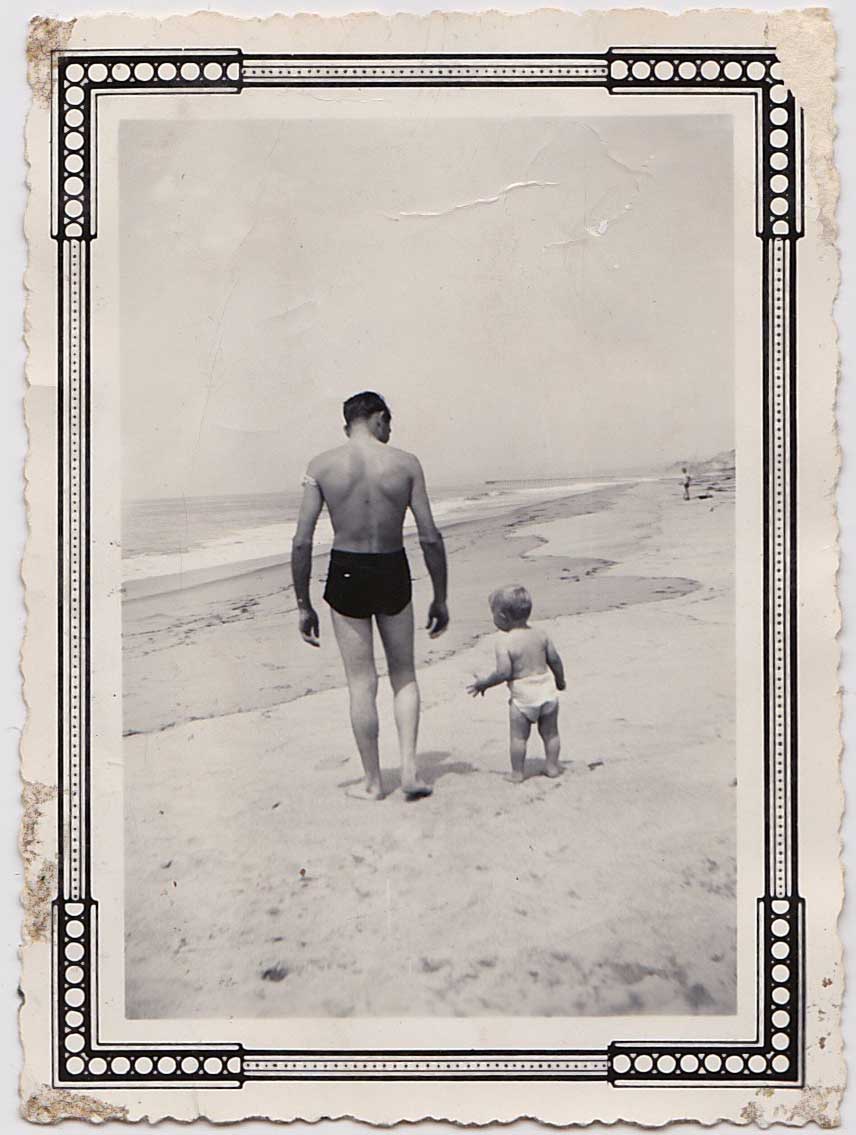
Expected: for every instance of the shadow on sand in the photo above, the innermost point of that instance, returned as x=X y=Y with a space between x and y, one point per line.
x=433 y=766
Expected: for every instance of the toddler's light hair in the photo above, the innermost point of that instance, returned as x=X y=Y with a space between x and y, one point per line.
x=513 y=604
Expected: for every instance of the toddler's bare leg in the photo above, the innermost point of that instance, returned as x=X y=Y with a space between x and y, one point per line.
x=519 y=727
x=548 y=727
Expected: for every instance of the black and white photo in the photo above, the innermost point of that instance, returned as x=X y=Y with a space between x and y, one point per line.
x=431 y=660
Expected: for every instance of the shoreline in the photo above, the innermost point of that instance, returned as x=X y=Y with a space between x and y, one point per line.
x=146 y=586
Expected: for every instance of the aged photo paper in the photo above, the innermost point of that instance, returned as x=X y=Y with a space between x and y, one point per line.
x=431 y=659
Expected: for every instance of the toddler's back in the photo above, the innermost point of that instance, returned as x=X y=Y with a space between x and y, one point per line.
x=527 y=649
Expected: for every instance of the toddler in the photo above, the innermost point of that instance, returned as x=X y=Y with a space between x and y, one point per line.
x=528 y=661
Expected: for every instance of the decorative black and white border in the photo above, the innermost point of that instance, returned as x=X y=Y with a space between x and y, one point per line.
x=774 y=1054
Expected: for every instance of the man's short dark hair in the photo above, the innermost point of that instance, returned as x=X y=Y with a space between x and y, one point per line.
x=363 y=405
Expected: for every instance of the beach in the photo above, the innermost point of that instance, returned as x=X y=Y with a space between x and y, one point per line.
x=609 y=890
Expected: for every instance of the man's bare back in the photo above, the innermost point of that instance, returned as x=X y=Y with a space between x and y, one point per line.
x=367 y=487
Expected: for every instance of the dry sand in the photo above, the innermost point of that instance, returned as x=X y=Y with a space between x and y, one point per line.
x=609 y=890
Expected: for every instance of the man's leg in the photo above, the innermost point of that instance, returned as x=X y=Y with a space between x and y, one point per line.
x=396 y=632
x=354 y=637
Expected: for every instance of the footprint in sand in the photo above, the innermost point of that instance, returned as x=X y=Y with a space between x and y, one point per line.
x=331 y=763
x=432 y=965
x=275 y=973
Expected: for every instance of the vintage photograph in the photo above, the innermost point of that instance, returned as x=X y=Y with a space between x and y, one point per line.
x=428 y=557
x=431 y=661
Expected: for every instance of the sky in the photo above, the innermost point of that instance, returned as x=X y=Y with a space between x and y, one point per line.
x=534 y=297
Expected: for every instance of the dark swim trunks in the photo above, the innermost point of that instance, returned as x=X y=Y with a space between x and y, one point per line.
x=362 y=584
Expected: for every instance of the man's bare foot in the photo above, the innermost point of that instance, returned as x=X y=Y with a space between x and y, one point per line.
x=516 y=777
x=553 y=770
x=414 y=788
x=365 y=790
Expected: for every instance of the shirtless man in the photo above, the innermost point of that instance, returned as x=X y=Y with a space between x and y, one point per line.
x=368 y=486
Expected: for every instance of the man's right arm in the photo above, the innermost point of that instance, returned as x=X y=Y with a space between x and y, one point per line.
x=433 y=550
x=301 y=558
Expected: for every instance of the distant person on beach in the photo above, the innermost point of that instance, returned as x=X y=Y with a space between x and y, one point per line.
x=687 y=481
x=528 y=661
x=368 y=486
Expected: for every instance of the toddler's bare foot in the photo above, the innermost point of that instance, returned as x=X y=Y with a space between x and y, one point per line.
x=552 y=770
x=516 y=777
x=366 y=790
x=414 y=788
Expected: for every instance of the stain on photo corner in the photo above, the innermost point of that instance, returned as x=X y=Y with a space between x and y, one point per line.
x=46 y=36
x=50 y=1105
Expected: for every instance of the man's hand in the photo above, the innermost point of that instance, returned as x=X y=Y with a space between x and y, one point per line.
x=309 y=628
x=476 y=687
x=438 y=618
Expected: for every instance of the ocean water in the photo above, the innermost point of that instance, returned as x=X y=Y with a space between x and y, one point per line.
x=170 y=536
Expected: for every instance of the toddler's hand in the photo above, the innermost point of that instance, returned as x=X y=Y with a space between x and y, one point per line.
x=475 y=687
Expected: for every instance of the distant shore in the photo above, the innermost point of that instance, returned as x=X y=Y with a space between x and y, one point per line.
x=177 y=562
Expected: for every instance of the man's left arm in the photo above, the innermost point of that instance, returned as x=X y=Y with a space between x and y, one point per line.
x=432 y=549
x=301 y=559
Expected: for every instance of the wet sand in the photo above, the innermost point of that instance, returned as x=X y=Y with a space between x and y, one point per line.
x=609 y=890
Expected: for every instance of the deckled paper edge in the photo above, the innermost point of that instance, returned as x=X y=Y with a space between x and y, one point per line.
x=794 y=33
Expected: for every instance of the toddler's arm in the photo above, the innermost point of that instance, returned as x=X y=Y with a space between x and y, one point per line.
x=502 y=672
x=554 y=661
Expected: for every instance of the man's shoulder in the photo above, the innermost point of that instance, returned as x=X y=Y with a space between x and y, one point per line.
x=322 y=461
x=403 y=458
